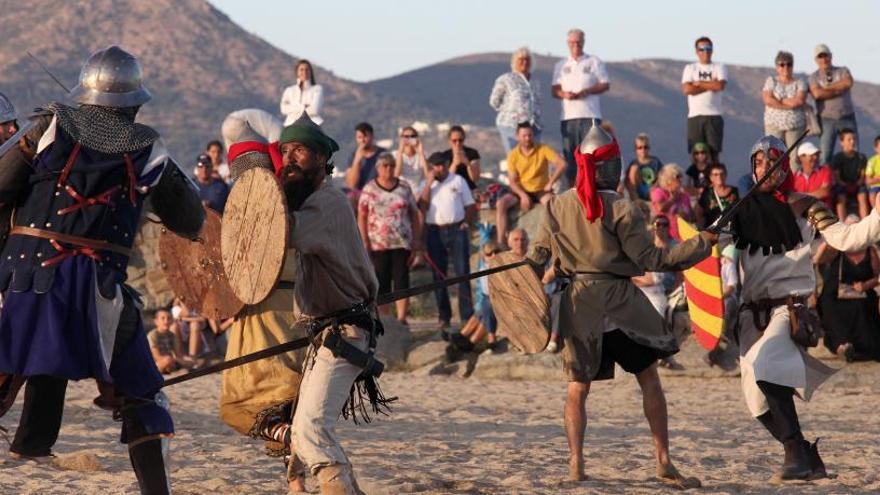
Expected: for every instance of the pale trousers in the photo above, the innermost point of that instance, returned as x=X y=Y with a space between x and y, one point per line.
x=326 y=386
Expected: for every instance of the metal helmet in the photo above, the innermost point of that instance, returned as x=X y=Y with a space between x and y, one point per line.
x=111 y=77
x=773 y=148
x=7 y=110
x=608 y=170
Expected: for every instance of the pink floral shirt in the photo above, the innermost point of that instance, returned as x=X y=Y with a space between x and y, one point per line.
x=388 y=215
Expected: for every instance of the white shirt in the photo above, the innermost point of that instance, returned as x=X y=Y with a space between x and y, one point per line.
x=577 y=75
x=707 y=102
x=448 y=200
x=309 y=99
x=413 y=169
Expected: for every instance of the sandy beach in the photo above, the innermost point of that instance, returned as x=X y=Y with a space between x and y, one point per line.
x=470 y=435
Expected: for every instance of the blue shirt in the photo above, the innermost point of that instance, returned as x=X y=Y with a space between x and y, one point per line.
x=368 y=167
x=214 y=194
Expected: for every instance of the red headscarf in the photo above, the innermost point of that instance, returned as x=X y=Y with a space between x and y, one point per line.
x=271 y=149
x=585 y=184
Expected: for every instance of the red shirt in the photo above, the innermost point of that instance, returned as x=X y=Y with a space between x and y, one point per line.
x=820 y=177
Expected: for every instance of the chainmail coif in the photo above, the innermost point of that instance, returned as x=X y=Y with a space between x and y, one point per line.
x=104 y=129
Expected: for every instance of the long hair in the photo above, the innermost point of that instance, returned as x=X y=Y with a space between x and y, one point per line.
x=311 y=70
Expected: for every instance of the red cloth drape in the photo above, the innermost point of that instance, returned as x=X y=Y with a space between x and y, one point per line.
x=585 y=184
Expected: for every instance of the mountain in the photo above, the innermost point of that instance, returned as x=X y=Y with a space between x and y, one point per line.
x=645 y=96
x=197 y=62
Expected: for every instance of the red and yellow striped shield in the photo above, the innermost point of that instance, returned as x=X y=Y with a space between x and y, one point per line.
x=702 y=283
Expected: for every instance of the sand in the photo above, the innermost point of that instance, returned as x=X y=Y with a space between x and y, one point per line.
x=467 y=435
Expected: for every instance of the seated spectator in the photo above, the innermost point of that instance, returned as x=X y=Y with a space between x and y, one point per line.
x=725 y=353
x=528 y=169
x=212 y=191
x=362 y=168
x=449 y=208
x=813 y=178
x=220 y=169
x=463 y=160
x=848 y=302
x=410 y=161
x=641 y=174
x=717 y=197
x=304 y=96
x=192 y=330
x=483 y=305
x=389 y=223
x=698 y=172
x=518 y=242
x=516 y=98
x=746 y=182
x=849 y=172
x=872 y=171
x=669 y=199
x=165 y=343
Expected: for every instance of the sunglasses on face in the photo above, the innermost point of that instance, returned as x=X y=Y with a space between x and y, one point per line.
x=409 y=135
x=456 y=140
x=704 y=48
x=645 y=147
x=699 y=152
x=823 y=55
x=661 y=225
x=784 y=64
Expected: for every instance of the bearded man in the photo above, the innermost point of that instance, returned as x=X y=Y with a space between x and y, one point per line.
x=598 y=241
x=335 y=291
x=774 y=230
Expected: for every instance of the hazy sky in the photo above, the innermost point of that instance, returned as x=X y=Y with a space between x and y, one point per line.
x=366 y=40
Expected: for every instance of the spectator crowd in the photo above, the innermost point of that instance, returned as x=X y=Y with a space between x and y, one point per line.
x=417 y=208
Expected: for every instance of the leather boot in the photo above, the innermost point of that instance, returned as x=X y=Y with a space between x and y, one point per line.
x=337 y=479
x=149 y=467
x=816 y=463
x=796 y=465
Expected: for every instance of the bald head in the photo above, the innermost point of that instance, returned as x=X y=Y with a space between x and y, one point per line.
x=518 y=241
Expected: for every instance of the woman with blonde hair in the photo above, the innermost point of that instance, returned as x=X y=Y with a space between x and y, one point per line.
x=515 y=98
x=668 y=197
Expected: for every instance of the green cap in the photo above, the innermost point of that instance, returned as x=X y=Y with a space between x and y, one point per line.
x=305 y=131
x=700 y=147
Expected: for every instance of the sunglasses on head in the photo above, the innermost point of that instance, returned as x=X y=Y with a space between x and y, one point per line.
x=704 y=48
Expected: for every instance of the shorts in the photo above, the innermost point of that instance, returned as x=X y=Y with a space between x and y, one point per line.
x=618 y=348
x=707 y=129
x=849 y=190
x=536 y=196
x=391 y=267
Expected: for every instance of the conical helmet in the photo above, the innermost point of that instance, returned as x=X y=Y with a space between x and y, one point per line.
x=7 y=110
x=111 y=77
x=608 y=164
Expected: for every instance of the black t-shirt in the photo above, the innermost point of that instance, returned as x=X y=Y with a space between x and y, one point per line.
x=709 y=202
x=699 y=178
x=469 y=153
x=849 y=167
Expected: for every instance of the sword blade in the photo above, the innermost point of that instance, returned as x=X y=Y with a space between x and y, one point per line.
x=304 y=342
x=14 y=139
x=47 y=71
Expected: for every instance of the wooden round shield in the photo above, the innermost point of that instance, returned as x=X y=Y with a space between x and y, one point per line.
x=253 y=239
x=194 y=270
x=520 y=305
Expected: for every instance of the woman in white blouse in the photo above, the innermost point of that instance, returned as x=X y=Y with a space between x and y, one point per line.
x=515 y=98
x=305 y=95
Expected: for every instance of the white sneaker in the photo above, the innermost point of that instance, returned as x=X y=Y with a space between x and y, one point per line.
x=551 y=347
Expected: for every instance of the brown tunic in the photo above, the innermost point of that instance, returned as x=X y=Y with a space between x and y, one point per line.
x=601 y=257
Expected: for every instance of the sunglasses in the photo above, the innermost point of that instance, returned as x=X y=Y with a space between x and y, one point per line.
x=661 y=224
x=823 y=55
x=456 y=140
x=784 y=64
x=700 y=152
x=704 y=48
x=409 y=135
x=645 y=147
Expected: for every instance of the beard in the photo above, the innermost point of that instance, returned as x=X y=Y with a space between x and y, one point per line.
x=300 y=187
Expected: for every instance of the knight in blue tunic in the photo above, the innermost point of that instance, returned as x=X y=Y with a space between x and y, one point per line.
x=67 y=312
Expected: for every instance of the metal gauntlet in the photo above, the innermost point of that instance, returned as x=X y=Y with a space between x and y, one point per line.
x=820 y=216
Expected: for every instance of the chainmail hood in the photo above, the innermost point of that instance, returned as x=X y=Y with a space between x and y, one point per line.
x=104 y=129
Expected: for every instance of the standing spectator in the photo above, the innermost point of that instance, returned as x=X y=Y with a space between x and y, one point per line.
x=165 y=343
x=849 y=171
x=213 y=191
x=830 y=87
x=872 y=171
x=449 y=208
x=515 y=96
x=304 y=96
x=362 y=166
x=717 y=197
x=578 y=81
x=388 y=220
x=813 y=178
x=784 y=99
x=669 y=199
x=528 y=168
x=463 y=160
x=698 y=172
x=641 y=173
x=703 y=82
x=410 y=162
x=219 y=167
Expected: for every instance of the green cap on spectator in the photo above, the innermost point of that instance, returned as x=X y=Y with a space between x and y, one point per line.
x=700 y=147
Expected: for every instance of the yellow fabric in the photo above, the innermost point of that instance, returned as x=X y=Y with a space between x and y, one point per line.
x=533 y=170
x=247 y=390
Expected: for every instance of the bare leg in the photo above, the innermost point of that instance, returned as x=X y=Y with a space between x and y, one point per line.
x=575 y=428
x=505 y=203
x=863 y=204
x=841 y=206
x=194 y=334
x=654 y=403
x=402 y=307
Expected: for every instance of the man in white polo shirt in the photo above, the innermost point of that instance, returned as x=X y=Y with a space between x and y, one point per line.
x=703 y=82
x=578 y=80
x=449 y=208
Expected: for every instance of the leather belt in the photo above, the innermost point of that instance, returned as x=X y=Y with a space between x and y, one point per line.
x=588 y=276
x=762 y=309
x=71 y=239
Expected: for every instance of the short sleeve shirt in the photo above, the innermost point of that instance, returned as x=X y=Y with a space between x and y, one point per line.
x=713 y=204
x=163 y=341
x=368 y=167
x=647 y=176
x=387 y=212
x=784 y=119
x=839 y=106
x=533 y=169
x=873 y=169
x=819 y=178
x=449 y=199
x=215 y=194
x=576 y=75
x=707 y=102
x=699 y=178
x=849 y=168
x=471 y=155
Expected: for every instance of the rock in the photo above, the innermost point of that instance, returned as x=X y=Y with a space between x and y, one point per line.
x=429 y=352
x=513 y=366
x=393 y=346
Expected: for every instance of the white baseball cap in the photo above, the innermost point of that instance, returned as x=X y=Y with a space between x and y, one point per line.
x=807 y=148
